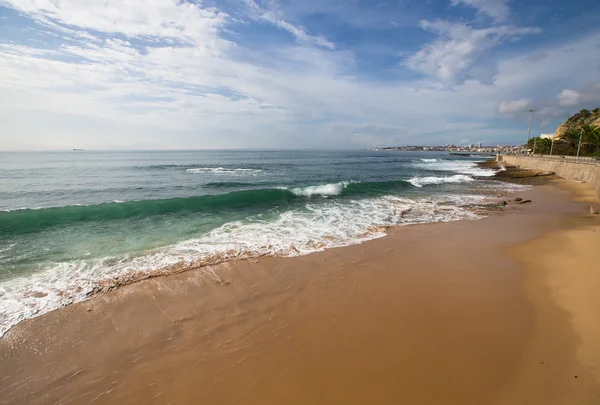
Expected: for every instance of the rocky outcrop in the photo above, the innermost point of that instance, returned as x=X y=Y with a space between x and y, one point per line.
x=576 y=121
x=518 y=175
x=560 y=131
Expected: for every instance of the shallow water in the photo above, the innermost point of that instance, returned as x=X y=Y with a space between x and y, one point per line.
x=69 y=220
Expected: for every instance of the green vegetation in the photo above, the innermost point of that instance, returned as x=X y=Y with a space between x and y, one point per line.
x=540 y=145
x=584 y=125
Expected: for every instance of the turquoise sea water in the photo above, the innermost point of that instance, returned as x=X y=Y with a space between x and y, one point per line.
x=69 y=220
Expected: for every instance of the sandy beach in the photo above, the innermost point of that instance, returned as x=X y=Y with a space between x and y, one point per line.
x=502 y=310
x=299 y=202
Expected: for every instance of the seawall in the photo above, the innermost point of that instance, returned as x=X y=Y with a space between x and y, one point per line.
x=586 y=171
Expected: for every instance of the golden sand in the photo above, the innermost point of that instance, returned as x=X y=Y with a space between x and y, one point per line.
x=496 y=311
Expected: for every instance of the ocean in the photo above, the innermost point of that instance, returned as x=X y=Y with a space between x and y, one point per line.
x=72 y=221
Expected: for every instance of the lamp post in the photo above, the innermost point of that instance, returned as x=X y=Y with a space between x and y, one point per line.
x=579 y=146
x=529 y=129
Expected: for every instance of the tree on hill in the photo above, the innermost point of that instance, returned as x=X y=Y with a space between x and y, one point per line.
x=571 y=137
x=579 y=118
x=591 y=138
x=582 y=125
x=539 y=145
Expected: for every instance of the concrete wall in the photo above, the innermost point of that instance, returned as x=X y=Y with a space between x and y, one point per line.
x=579 y=171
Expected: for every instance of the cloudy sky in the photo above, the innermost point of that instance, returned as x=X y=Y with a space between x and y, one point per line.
x=291 y=73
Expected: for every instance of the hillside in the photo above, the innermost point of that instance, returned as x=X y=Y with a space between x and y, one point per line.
x=579 y=134
x=576 y=121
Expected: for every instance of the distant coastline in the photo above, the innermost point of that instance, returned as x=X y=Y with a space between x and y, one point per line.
x=476 y=149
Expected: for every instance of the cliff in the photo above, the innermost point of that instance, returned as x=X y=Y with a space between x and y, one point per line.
x=576 y=121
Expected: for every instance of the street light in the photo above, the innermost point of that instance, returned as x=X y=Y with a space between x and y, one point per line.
x=579 y=145
x=529 y=129
x=530 y=119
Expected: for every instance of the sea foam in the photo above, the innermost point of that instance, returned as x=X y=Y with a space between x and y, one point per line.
x=422 y=181
x=222 y=170
x=294 y=232
x=457 y=166
x=323 y=189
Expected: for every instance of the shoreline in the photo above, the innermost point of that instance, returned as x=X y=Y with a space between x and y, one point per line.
x=430 y=313
x=571 y=281
x=524 y=177
x=86 y=289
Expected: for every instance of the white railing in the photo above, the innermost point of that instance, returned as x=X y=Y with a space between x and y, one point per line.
x=571 y=159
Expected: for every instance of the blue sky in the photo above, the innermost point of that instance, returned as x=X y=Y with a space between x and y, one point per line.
x=291 y=73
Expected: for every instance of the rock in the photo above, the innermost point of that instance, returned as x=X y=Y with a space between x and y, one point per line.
x=525 y=202
x=593 y=211
x=504 y=203
x=560 y=131
x=518 y=199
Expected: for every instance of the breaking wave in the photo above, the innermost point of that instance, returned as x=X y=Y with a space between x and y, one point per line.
x=423 y=181
x=310 y=227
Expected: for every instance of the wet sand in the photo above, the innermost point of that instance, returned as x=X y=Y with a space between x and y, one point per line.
x=496 y=311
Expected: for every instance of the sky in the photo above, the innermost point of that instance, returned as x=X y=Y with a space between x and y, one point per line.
x=270 y=74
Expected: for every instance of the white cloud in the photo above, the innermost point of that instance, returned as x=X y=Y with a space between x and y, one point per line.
x=461 y=53
x=587 y=96
x=569 y=97
x=149 y=83
x=274 y=15
x=496 y=9
x=161 y=18
x=515 y=107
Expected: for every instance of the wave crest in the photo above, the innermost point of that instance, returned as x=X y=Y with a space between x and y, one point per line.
x=312 y=227
x=222 y=170
x=422 y=181
x=323 y=189
x=457 y=166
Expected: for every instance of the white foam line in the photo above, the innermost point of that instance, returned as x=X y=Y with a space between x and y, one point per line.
x=422 y=181
x=457 y=166
x=222 y=170
x=324 y=189
x=293 y=233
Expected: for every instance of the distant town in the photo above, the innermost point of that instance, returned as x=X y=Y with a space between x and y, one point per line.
x=472 y=148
